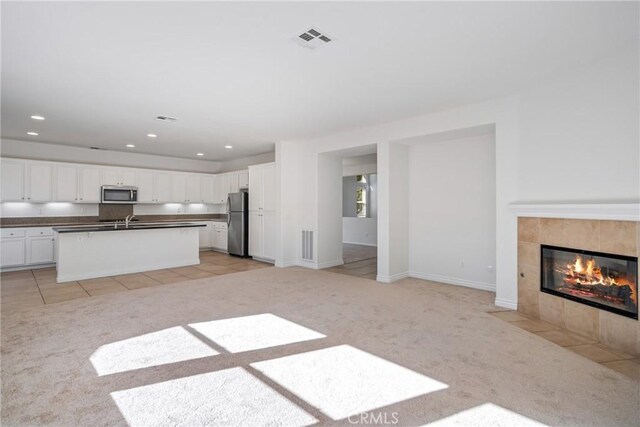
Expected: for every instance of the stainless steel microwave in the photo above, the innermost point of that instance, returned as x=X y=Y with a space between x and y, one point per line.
x=112 y=194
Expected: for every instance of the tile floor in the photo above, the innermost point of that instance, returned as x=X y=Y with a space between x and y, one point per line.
x=359 y=261
x=30 y=288
x=624 y=363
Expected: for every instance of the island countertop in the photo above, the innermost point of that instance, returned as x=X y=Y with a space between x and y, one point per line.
x=122 y=227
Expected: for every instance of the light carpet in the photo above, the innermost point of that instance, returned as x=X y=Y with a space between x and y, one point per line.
x=296 y=347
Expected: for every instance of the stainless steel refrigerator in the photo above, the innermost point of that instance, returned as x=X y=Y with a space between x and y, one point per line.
x=238 y=223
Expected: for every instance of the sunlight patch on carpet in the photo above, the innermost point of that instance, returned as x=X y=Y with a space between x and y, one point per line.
x=343 y=380
x=489 y=415
x=254 y=332
x=153 y=349
x=228 y=397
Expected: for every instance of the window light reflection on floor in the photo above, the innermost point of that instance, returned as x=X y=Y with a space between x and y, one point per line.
x=342 y=381
x=488 y=415
x=153 y=349
x=254 y=332
x=228 y=397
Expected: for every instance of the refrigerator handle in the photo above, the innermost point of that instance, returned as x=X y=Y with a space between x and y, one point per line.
x=228 y=211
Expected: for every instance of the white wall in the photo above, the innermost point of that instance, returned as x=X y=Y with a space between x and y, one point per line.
x=452 y=211
x=361 y=231
x=523 y=170
x=579 y=134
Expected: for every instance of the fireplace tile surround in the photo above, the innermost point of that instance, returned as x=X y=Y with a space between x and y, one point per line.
x=609 y=236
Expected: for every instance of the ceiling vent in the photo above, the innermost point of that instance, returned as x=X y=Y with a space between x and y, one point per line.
x=166 y=119
x=312 y=38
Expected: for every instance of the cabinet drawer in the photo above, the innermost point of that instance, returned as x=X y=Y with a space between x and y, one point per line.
x=39 y=232
x=12 y=232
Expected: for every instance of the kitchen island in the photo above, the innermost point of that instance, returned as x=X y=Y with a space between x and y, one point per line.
x=87 y=252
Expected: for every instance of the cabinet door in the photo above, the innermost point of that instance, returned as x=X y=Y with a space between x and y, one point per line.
x=39 y=182
x=234 y=186
x=12 y=185
x=255 y=234
x=111 y=176
x=269 y=235
x=204 y=236
x=255 y=190
x=66 y=183
x=223 y=242
x=207 y=189
x=215 y=237
x=243 y=179
x=40 y=250
x=193 y=189
x=144 y=182
x=90 y=184
x=13 y=252
x=163 y=187
x=269 y=188
x=178 y=188
x=223 y=188
x=128 y=177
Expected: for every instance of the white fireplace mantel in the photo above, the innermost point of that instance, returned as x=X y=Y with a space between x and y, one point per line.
x=602 y=211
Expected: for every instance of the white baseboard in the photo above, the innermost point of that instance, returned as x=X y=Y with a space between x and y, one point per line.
x=392 y=278
x=505 y=303
x=454 y=281
x=362 y=244
x=27 y=267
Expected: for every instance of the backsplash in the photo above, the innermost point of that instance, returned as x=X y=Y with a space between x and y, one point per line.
x=63 y=209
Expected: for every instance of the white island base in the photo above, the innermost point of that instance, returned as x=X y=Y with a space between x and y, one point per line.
x=91 y=254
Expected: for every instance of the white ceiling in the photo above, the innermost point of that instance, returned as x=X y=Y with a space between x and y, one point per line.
x=231 y=74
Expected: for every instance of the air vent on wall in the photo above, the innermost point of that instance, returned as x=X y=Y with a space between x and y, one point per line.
x=307 y=245
x=166 y=119
x=312 y=38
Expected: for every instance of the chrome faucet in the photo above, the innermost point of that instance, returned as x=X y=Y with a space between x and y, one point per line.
x=127 y=219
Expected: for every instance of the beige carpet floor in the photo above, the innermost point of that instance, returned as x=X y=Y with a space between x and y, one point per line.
x=294 y=347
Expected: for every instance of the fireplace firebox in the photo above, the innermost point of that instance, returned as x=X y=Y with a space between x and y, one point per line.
x=605 y=281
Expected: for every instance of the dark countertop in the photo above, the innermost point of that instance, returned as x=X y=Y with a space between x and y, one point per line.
x=121 y=227
x=63 y=223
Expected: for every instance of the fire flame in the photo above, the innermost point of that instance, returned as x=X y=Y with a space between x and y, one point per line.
x=591 y=274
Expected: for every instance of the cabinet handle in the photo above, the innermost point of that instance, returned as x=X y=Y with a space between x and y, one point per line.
x=29 y=198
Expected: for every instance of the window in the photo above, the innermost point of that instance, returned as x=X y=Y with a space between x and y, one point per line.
x=361 y=201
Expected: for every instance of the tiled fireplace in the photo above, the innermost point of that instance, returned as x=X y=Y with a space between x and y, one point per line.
x=582 y=275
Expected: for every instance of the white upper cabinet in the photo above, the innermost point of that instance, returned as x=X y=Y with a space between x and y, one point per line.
x=193 y=189
x=224 y=187
x=262 y=187
x=162 y=187
x=12 y=185
x=66 y=183
x=207 y=188
x=38 y=180
x=234 y=186
x=178 y=188
x=243 y=179
x=145 y=181
x=119 y=176
x=89 y=184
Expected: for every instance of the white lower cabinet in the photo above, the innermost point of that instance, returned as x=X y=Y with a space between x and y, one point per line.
x=13 y=252
x=40 y=250
x=204 y=234
x=219 y=236
x=262 y=235
x=27 y=246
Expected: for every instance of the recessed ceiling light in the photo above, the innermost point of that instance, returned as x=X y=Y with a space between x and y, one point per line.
x=228 y=147
x=200 y=154
x=152 y=135
x=131 y=146
x=32 y=133
x=37 y=117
